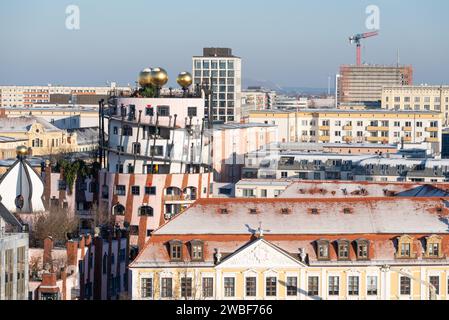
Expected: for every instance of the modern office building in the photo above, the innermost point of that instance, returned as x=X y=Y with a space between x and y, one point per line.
x=299 y=249
x=417 y=98
x=219 y=69
x=363 y=84
x=418 y=128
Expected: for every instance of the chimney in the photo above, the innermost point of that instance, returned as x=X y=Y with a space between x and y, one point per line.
x=47 y=186
x=64 y=283
x=48 y=247
x=72 y=253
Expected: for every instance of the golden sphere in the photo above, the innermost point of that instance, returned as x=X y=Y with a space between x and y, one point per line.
x=145 y=77
x=159 y=77
x=22 y=151
x=185 y=79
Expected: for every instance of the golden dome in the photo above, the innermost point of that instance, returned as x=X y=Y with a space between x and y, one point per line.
x=185 y=79
x=22 y=151
x=159 y=77
x=145 y=77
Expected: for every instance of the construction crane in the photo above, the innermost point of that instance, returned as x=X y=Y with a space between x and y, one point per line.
x=357 y=40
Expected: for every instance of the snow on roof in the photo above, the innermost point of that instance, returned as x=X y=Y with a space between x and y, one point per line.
x=296 y=216
x=342 y=189
x=23 y=124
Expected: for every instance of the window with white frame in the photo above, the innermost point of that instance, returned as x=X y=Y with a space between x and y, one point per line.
x=229 y=286
x=208 y=287
x=166 y=287
x=334 y=285
x=271 y=286
x=146 y=288
x=353 y=285
x=250 y=286
x=371 y=285
x=292 y=286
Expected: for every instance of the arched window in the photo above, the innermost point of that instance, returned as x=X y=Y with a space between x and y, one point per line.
x=119 y=210
x=146 y=211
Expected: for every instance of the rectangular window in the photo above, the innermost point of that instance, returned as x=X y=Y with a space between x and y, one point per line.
x=313 y=286
x=353 y=285
x=405 y=249
x=163 y=111
x=405 y=285
x=270 y=286
x=229 y=286
x=191 y=111
x=135 y=190
x=120 y=190
x=334 y=286
x=208 y=287
x=292 y=286
x=186 y=287
x=166 y=287
x=435 y=281
x=371 y=285
x=250 y=286
x=146 y=288
x=150 y=190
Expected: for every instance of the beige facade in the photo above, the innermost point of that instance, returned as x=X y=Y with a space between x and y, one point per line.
x=39 y=135
x=356 y=126
x=417 y=98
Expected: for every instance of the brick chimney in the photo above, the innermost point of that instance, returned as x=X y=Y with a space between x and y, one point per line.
x=72 y=253
x=48 y=248
x=64 y=283
x=47 y=185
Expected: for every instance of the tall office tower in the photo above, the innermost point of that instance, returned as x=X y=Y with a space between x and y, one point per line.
x=363 y=84
x=222 y=73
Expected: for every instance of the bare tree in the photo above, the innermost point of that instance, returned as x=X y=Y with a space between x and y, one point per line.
x=57 y=224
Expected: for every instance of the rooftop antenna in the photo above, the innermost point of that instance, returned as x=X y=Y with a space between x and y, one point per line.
x=397 y=59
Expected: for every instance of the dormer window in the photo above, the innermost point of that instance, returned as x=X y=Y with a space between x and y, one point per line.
x=196 y=250
x=323 y=249
x=405 y=247
x=253 y=211
x=347 y=211
x=362 y=249
x=224 y=211
x=175 y=250
x=314 y=211
x=343 y=249
x=285 y=211
x=433 y=247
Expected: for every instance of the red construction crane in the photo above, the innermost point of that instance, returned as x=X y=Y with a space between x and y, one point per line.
x=357 y=40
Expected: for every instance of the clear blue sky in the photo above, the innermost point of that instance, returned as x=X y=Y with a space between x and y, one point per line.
x=289 y=42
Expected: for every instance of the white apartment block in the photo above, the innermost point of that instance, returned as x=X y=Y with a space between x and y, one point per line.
x=417 y=98
x=423 y=128
x=224 y=71
x=27 y=96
